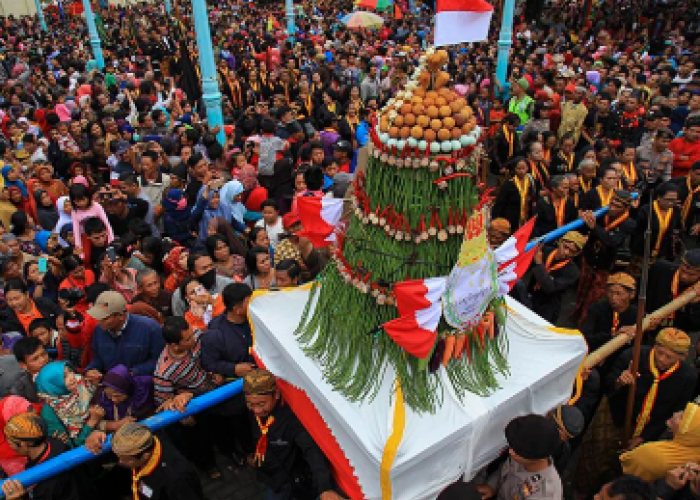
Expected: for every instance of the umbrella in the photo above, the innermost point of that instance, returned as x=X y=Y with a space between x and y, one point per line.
x=362 y=19
x=378 y=5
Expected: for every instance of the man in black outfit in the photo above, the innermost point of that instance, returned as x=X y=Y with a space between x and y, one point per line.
x=160 y=471
x=26 y=435
x=285 y=453
x=121 y=210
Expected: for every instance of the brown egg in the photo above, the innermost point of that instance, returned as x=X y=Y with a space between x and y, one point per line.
x=423 y=121
x=448 y=122
x=442 y=55
x=398 y=121
x=406 y=109
x=450 y=98
x=394 y=132
x=419 y=92
x=440 y=101
x=443 y=92
x=467 y=112
x=431 y=94
x=418 y=109
x=405 y=132
x=459 y=120
x=456 y=133
x=462 y=101
x=417 y=132
x=409 y=120
x=416 y=100
x=455 y=106
x=384 y=125
x=432 y=112
x=428 y=101
x=429 y=135
x=467 y=127
x=436 y=124
x=445 y=111
x=472 y=120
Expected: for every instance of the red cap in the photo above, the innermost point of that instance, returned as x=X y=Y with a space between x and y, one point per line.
x=228 y=130
x=570 y=88
x=289 y=219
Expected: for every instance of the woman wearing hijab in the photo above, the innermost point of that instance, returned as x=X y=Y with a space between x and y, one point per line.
x=11 y=178
x=651 y=461
x=210 y=205
x=66 y=396
x=10 y=462
x=125 y=397
x=231 y=197
x=63 y=208
x=46 y=213
x=44 y=180
x=176 y=268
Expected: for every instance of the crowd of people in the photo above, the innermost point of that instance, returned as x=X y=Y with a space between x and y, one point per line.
x=131 y=239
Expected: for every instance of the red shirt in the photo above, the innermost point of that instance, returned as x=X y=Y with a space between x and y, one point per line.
x=681 y=147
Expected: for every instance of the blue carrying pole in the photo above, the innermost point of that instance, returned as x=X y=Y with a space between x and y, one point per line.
x=73 y=458
x=168 y=6
x=94 y=36
x=210 y=84
x=505 y=40
x=571 y=226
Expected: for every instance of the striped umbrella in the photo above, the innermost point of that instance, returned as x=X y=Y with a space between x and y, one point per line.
x=362 y=19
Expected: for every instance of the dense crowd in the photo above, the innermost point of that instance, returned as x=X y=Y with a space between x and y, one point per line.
x=132 y=239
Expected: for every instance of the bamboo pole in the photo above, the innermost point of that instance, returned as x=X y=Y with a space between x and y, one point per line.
x=619 y=341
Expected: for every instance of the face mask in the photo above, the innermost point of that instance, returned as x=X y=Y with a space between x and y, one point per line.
x=208 y=279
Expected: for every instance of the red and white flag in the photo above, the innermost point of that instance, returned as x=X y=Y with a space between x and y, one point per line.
x=459 y=21
x=420 y=309
x=512 y=259
x=319 y=217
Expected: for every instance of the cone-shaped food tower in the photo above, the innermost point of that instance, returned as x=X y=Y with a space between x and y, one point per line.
x=418 y=216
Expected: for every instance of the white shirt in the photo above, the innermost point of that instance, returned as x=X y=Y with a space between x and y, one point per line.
x=273 y=232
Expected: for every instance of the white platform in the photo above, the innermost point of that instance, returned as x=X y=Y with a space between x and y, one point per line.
x=435 y=449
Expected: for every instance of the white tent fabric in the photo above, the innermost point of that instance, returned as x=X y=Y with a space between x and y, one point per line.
x=460 y=438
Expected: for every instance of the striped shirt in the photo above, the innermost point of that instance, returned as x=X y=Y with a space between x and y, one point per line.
x=184 y=374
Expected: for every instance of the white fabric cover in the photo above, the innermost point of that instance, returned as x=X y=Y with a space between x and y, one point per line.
x=455 y=27
x=436 y=449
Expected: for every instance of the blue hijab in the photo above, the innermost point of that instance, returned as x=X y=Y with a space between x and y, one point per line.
x=41 y=238
x=16 y=183
x=51 y=379
x=209 y=213
x=230 y=190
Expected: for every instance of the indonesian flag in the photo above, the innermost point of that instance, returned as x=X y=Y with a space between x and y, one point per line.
x=459 y=21
x=420 y=309
x=319 y=216
x=512 y=258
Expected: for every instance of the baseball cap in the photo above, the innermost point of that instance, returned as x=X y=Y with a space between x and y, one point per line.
x=343 y=145
x=107 y=303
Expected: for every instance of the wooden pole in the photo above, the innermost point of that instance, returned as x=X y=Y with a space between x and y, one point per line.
x=639 y=331
x=619 y=341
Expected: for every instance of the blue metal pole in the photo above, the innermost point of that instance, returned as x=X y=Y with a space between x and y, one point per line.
x=289 y=13
x=73 y=458
x=167 y=6
x=210 y=84
x=40 y=13
x=94 y=37
x=505 y=38
x=571 y=226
